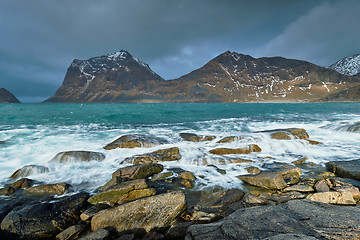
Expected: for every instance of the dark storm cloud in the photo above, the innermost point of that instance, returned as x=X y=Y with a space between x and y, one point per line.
x=40 y=38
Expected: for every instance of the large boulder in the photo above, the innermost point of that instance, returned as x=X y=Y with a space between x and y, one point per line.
x=346 y=169
x=191 y=137
x=147 y=213
x=76 y=156
x=135 y=140
x=29 y=170
x=162 y=155
x=288 y=133
x=276 y=179
x=243 y=150
x=123 y=192
x=304 y=217
x=133 y=172
x=51 y=189
x=44 y=220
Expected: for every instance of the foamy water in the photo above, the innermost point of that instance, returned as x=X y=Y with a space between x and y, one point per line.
x=31 y=138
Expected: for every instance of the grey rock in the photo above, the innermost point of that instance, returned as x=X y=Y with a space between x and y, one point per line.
x=101 y=234
x=71 y=232
x=76 y=156
x=191 y=137
x=29 y=170
x=302 y=217
x=135 y=140
x=346 y=169
x=291 y=237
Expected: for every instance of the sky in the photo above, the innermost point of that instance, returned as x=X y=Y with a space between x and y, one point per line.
x=40 y=38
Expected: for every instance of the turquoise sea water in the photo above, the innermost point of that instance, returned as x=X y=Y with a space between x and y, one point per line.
x=35 y=133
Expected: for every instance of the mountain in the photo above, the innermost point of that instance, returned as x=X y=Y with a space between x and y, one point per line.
x=114 y=77
x=7 y=97
x=230 y=77
x=349 y=65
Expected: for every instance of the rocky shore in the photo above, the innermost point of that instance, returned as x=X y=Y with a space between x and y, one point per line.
x=143 y=200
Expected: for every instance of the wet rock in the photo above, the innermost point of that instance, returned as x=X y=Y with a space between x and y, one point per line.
x=114 y=196
x=191 y=137
x=7 y=191
x=147 y=213
x=300 y=161
x=187 y=175
x=299 y=188
x=186 y=183
x=177 y=231
x=302 y=217
x=219 y=170
x=29 y=170
x=162 y=155
x=244 y=150
x=122 y=192
x=101 y=234
x=291 y=174
x=51 y=189
x=354 y=127
x=313 y=142
x=93 y=210
x=43 y=220
x=22 y=183
x=203 y=217
x=230 y=139
x=253 y=170
x=135 y=140
x=71 y=232
x=239 y=160
x=286 y=134
x=340 y=198
x=161 y=176
x=76 y=156
x=321 y=186
x=138 y=171
x=346 y=169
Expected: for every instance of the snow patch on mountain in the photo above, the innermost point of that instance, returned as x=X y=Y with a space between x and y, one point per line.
x=349 y=65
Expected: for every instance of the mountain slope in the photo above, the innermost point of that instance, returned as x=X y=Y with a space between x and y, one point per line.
x=230 y=77
x=233 y=77
x=349 y=65
x=7 y=97
x=110 y=78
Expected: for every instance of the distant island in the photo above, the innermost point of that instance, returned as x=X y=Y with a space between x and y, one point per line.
x=7 y=97
x=229 y=77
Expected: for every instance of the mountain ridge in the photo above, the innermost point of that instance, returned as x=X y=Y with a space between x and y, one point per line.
x=229 y=77
x=7 y=97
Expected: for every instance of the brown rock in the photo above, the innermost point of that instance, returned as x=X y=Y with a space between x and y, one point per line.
x=29 y=170
x=285 y=134
x=7 y=191
x=300 y=161
x=239 y=160
x=191 y=137
x=268 y=180
x=52 y=189
x=186 y=183
x=187 y=175
x=281 y=136
x=162 y=155
x=161 y=176
x=93 y=210
x=312 y=142
x=340 y=198
x=76 y=156
x=244 y=150
x=253 y=170
x=353 y=190
x=299 y=188
x=146 y=213
x=71 y=232
x=135 y=140
x=22 y=183
x=138 y=171
x=230 y=139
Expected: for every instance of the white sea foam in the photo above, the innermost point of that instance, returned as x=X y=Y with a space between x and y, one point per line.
x=38 y=145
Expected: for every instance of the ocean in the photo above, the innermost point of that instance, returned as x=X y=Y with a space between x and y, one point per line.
x=35 y=133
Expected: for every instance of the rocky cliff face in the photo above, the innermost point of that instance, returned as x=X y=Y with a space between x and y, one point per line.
x=230 y=77
x=115 y=77
x=7 y=97
x=349 y=65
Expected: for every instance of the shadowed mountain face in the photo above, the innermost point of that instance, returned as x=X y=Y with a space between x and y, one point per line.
x=7 y=97
x=230 y=77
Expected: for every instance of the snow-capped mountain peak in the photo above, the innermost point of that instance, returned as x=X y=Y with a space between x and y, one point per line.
x=349 y=65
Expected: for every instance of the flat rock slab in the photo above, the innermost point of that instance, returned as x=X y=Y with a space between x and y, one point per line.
x=243 y=150
x=135 y=140
x=78 y=156
x=346 y=169
x=51 y=189
x=191 y=137
x=300 y=217
x=138 y=171
x=146 y=213
x=162 y=155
